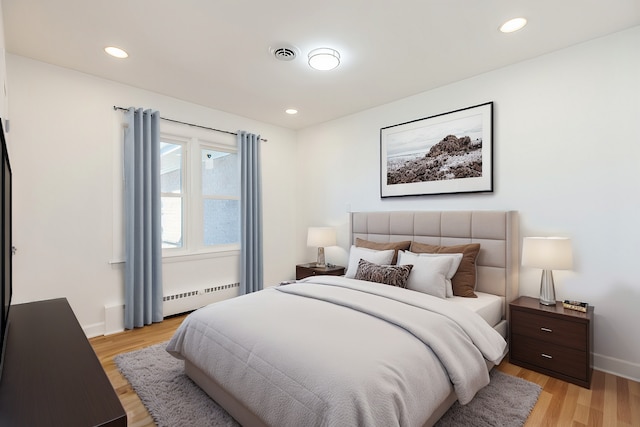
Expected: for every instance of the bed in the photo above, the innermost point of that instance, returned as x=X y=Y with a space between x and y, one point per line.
x=344 y=351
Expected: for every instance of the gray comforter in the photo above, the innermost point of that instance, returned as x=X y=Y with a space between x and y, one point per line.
x=335 y=352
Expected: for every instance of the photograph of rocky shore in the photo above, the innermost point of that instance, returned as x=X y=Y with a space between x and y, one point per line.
x=451 y=158
x=446 y=153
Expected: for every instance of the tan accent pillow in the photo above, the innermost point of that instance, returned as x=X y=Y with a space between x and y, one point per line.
x=394 y=275
x=396 y=246
x=464 y=281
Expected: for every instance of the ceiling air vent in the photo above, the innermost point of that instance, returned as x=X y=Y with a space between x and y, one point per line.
x=284 y=53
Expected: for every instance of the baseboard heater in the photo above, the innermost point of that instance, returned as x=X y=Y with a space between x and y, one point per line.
x=172 y=304
x=183 y=302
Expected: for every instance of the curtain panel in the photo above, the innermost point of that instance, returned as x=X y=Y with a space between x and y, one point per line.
x=143 y=231
x=251 y=251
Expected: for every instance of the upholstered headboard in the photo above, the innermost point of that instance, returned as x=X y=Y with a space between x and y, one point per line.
x=496 y=231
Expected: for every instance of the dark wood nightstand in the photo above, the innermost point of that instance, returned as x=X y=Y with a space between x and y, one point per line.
x=306 y=270
x=552 y=340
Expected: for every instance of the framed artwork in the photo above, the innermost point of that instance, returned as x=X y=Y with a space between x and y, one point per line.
x=442 y=154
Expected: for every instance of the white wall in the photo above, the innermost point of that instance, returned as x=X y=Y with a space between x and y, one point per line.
x=4 y=99
x=66 y=141
x=567 y=156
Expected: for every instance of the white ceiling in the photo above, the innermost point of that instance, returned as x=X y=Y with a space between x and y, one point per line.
x=216 y=53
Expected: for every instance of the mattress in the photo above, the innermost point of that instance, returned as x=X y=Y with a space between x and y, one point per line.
x=490 y=307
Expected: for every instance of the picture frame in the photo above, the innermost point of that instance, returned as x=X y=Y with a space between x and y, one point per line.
x=447 y=153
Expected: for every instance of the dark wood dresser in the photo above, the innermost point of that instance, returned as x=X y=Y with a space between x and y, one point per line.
x=552 y=340
x=51 y=375
x=306 y=270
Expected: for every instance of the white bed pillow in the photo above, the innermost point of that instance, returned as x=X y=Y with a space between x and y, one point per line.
x=371 y=255
x=456 y=260
x=431 y=273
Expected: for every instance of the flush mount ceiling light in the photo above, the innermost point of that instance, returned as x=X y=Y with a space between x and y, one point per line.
x=291 y=111
x=512 y=25
x=324 y=59
x=116 y=52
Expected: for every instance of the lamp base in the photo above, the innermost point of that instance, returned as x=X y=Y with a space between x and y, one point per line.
x=320 y=261
x=547 y=288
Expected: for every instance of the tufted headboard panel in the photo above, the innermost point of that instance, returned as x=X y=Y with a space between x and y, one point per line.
x=496 y=231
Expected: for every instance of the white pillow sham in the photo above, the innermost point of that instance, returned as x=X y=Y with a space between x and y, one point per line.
x=455 y=263
x=431 y=273
x=371 y=255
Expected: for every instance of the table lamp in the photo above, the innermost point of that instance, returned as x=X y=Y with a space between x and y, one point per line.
x=321 y=237
x=547 y=253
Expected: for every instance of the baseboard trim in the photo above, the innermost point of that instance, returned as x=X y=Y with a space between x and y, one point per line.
x=621 y=368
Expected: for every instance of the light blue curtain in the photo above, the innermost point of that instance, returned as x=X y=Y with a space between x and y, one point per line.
x=143 y=231
x=251 y=255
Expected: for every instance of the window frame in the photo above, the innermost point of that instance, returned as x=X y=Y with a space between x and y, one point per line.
x=184 y=191
x=193 y=141
x=207 y=145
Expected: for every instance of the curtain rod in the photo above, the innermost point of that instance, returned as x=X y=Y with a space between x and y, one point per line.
x=188 y=124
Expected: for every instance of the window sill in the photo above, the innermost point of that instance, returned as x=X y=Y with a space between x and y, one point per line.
x=191 y=256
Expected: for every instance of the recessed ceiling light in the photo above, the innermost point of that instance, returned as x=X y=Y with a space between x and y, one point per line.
x=291 y=111
x=116 y=52
x=512 y=25
x=324 y=59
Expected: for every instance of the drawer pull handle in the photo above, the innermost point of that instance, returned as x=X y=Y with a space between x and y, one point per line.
x=546 y=330
x=546 y=355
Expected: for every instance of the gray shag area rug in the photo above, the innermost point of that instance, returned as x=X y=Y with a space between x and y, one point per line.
x=174 y=400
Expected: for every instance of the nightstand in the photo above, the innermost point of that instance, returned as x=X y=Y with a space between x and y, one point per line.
x=306 y=270
x=552 y=340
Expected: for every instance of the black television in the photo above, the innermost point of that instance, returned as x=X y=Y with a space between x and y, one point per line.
x=6 y=250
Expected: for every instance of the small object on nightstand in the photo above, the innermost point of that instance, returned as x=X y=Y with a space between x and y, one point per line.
x=575 y=305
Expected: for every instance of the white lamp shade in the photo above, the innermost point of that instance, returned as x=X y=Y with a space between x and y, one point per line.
x=547 y=253
x=321 y=237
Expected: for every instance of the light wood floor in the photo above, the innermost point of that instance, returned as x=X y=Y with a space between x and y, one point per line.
x=611 y=401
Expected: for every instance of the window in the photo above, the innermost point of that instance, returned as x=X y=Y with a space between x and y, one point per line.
x=172 y=193
x=220 y=197
x=200 y=193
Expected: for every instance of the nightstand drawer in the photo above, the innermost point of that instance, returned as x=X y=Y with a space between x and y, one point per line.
x=550 y=329
x=563 y=360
